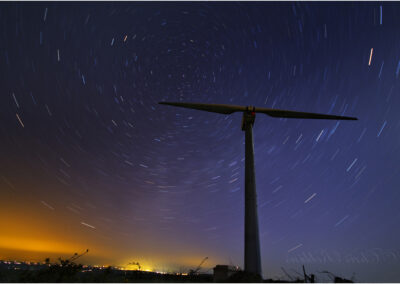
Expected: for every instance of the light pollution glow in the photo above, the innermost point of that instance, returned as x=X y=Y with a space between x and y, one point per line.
x=40 y=234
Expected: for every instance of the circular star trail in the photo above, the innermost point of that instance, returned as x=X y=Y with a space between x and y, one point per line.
x=89 y=159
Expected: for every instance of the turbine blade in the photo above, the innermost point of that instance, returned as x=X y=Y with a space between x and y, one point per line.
x=218 y=108
x=297 y=114
x=229 y=109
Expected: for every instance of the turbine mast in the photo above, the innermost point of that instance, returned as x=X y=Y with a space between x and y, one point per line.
x=252 y=258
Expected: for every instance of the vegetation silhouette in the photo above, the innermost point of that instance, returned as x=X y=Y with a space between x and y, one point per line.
x=337 y=279
x=195 y=271
x=135 y=263
x=68 y=271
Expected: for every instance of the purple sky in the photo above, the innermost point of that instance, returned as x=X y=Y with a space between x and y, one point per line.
x=83 y=139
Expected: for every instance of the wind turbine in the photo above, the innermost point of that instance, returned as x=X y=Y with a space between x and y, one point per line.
x=252 y=259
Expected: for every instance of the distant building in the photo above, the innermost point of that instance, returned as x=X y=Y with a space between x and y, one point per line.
x=223 y=272
x=16 y=265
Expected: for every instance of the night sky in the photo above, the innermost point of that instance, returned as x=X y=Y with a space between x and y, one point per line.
x=89 y=159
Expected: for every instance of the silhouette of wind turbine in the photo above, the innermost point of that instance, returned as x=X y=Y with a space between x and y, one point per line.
x=252 y=259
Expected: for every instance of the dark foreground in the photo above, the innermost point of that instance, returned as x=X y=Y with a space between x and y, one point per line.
x=70 y=272
x=60 y=274
x=53 y=274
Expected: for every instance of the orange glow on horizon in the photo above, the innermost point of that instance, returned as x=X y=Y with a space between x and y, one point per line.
x=31 y=231
x=36 y=245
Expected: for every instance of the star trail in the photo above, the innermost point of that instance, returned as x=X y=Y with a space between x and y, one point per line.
x=89 y=159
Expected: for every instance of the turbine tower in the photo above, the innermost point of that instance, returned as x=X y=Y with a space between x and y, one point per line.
x=252 y=259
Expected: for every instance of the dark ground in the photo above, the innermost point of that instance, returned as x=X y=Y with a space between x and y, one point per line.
x=61 y=274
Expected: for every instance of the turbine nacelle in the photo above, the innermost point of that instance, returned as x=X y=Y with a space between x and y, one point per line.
x=248 y=118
